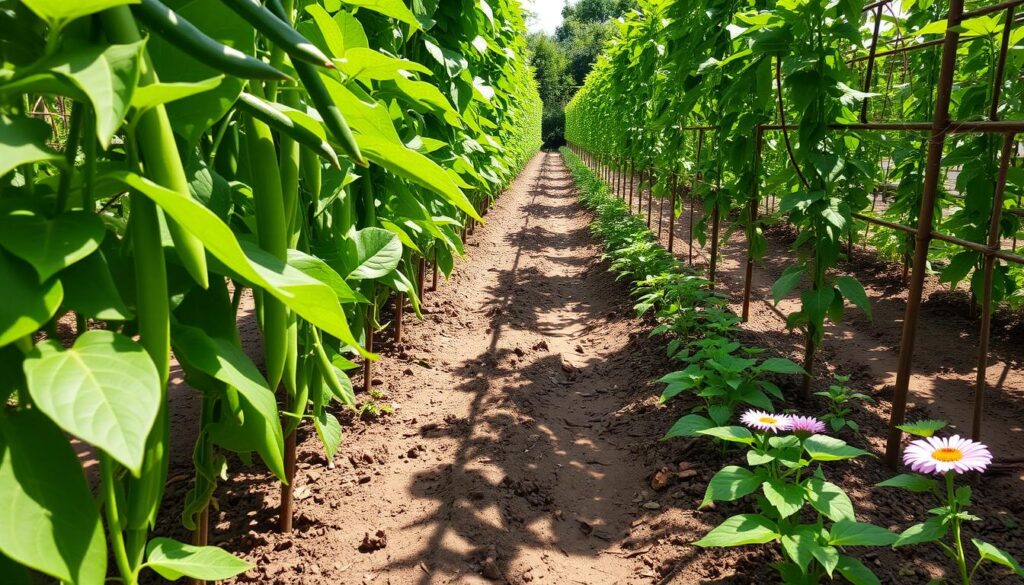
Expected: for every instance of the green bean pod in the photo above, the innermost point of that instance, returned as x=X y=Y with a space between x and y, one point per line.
x=329 y=111
x=272 y=230
x=187 y=37
x=277 y=120
x=158 y=147
x=280 y=32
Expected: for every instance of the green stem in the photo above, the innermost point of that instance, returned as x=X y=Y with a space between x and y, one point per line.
x=960 y=557
x=114 y=521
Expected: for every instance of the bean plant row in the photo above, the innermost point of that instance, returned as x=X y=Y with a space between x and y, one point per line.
x=783 y=477
x=740 y=99
x=161 y=162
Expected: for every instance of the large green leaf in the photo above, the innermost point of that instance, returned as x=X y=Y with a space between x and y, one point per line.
x=394 y=8
x=825 y=448
x=853 y=291
x=191 y=116
x=23 y=141
x=411 y=165
x=998 y=556
x=855 y=571
x=104 y=389
x=375 y=253
x=853 y=533
x=27 y=305
x=732 y=434
x=313 y=300
x=260 y=429
x=58 y=12
x=787 y=498
x=730 y=483
x=174 y=560
x=316 y=268
x=910 y=482
x=368 y=65
x=688 y=426
x=829 y=499
x=50 y=245
x=48 y=520
x=329 y=430
x=91 y=290
x=107 y=75
x=368 y=119
x=740 y=530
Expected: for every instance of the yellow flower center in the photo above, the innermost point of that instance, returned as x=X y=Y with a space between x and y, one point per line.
x=947 y=454
x=767 y=420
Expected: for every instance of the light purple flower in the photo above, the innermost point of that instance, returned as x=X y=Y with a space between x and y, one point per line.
x=806 y=424
x=763 y=421
x=942 y=455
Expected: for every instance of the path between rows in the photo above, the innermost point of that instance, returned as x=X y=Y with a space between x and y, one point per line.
x=497 y=466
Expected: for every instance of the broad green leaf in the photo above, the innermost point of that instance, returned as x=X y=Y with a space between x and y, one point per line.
x=910 y=482
x=825 y=448
x=329 y=430
x=48 y=519
x=780 y=366
x=787 y=498
x=50 y=245
x=313 y=300
x=928 y=531
x=730 y=483
x=368 y=65
x=91 y=290
x=107 y=75
x=1001 y=557
x=688 y=426
x=260 y=428
x=351 y=30
x=173 y=560
x=394 y=8
x=800 y=544
x=411 y=165
x=58 y=12
x=855 y=571
x=316 y=268
x=104 y=390
x=740 y=530
x=376 y=252
x=193 y=115
x=367 y=118
x=815 y=303
x=830 y=500
x=732 y=434
x=853 y=291
x=27 y=305
x=428 y=96
x=786 y=283
x=329 y=29
x=853 y=533
x=922 y=428
x=23 y=141
x=828 y=556
x=158 y=94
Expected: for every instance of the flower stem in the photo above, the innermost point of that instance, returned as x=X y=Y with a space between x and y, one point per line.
x=961 y=559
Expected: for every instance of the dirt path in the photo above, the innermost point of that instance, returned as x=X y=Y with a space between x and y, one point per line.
x=506 y=460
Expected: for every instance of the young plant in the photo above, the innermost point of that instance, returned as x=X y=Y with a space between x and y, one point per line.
x=948 y=458
x=840 y=399
x=810 y=518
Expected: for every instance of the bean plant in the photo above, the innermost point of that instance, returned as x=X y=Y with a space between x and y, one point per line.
x=308 y=155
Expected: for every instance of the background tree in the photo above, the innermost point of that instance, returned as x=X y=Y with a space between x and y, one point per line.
x=563 y=60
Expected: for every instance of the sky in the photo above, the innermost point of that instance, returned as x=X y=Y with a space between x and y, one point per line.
x=549 y=14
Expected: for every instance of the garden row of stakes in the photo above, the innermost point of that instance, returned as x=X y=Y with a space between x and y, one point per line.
x=160 y=163
x=814 y=112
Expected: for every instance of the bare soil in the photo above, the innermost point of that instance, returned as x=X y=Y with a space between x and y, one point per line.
x=524 y=448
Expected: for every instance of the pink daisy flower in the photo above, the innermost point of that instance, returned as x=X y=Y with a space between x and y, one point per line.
x=942 y=455
x=806 y=424
x=763 y=421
